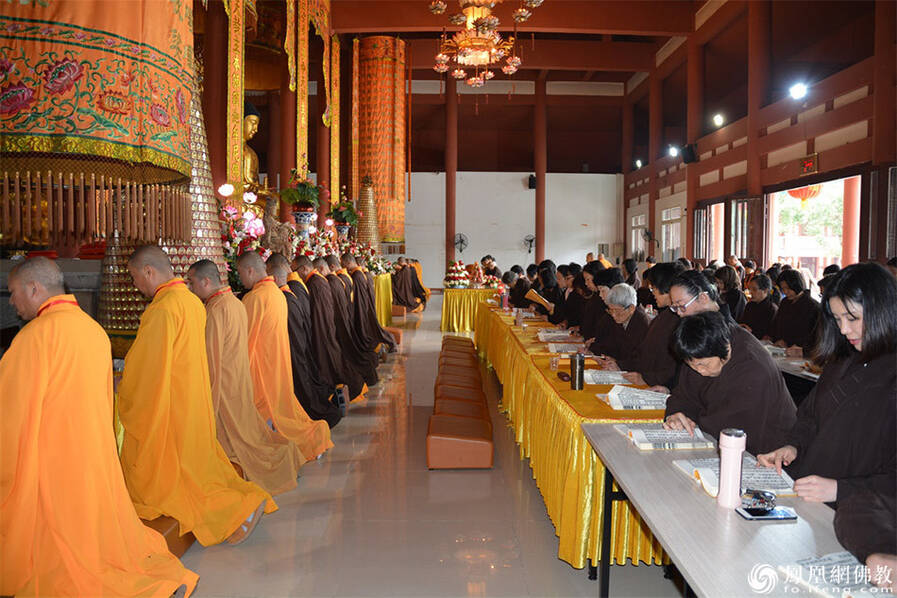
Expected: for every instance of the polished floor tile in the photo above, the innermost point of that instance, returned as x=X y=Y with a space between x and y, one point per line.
x=369 y=519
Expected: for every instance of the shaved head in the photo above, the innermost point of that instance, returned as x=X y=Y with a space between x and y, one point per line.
x=302 y=265
x=320 y=264
x=333 y=262
x=278 y=267
x=152 y=256
x=205 y=270
x=348 y=260
x=31 y=283
x=251 y=259
x=251 y=268
x=41 y=270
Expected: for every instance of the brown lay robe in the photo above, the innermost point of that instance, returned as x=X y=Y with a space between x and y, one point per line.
x=326 y=350
x=759 y=316
x=795 y=321
x=846 y=426
x=622 y=343
x=364 y=362
x=749 y=394
x=402 y=291
x=314 y=395
x=267 y=458
x=369 y=330
x=654 y=358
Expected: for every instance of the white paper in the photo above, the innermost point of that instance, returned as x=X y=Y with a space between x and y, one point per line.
x=553 y=335
x=604 y=377
x=653 y=436
x=565 y=347
x=627 y=397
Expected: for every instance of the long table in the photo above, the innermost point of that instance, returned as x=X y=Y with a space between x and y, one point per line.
x=714 y=548
x=383 y=298
x=546 y=417
x=459 y=308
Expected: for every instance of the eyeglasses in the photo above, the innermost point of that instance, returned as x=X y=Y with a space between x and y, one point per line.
x=681 y=308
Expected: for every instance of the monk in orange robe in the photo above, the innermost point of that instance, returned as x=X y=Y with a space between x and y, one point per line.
x=171 y=458
x=420 y=277
x=269 y=359
x=68 y=527
x=266 y=457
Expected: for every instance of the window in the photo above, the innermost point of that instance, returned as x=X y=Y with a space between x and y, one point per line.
x=637 y=238
x=702 y=233
x=738 y=240
x=671 y=233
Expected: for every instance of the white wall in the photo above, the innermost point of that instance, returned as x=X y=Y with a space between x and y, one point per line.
x=496 y=211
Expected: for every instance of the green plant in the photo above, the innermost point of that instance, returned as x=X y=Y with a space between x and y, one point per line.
x=300 y=191
x=344 y=212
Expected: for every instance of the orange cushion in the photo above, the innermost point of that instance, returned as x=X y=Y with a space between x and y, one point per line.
x=460 y=370
x=169 y=529
x=460 y=408
x=459 y=393
x=396 y=334
x=399 y=311
x=459 y=443
x=457 y=340
x=464 y=361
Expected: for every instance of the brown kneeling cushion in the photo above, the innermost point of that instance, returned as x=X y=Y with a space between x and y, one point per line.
x=459 y=443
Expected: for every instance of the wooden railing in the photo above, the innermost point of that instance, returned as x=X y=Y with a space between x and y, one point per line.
x=47 y=209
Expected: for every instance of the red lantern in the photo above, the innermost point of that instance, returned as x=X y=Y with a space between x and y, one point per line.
x=805 y=193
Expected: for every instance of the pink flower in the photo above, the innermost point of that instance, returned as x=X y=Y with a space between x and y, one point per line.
x=6 y=67
x=160 y=115
x=61 y=76
x=181 y=104
x=15 y=98
x=255 y=227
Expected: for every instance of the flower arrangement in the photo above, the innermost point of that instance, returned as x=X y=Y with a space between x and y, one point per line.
x=300 y=191
x=492 y=282
x=457 y=276
x=343 y=212
x=240 y=233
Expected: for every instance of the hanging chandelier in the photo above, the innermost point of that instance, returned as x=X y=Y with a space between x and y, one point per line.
x=475 y=50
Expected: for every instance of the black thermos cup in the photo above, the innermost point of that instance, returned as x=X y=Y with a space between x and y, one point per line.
x=577 y=367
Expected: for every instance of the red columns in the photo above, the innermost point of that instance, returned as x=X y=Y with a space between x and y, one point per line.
x=272 y=162
x=322 y=167
x=451 y=164
x=214 y=94
x=287 y=135
x=655 y=130
x=628 y=134
x=883 y=113
x=758 y=86
x=850 y=230
x=695 y=120
x=540 y=158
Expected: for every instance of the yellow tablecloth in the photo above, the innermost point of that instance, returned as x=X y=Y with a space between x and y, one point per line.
x=459 y=308
x=383 y=298
x=546 y=417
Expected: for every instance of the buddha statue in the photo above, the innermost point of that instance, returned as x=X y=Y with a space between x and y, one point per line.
x=251 y=118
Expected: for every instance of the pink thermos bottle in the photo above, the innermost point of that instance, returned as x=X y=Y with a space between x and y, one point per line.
x=731 y=446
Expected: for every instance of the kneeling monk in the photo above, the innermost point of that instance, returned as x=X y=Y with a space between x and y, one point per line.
x=267 y=458
x=171 y=458
x=269 y=359
x=68 y=526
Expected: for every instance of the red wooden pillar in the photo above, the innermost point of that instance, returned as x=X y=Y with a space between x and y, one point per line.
x=272 y=165
x=451 y=164
x=655 y=130
x=628 y=134
x=287 y=136
x=758 y=86
x=540 y=159
x=883 y=113
x=322 y=166
x=694 y=122
x=850 y=229
x=214 y=90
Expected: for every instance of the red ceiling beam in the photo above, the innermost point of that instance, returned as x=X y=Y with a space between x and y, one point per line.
x=561 y=55
x=647 y=17
x=434 y=99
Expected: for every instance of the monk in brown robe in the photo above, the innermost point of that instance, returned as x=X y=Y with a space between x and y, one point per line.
x=170 y=455
x=728 y=381
x=270 y=362
x=325 y=348
x=68 y=527
x=265 y=456
x=402 y=287
x=369 y=330
x=417 y=286
x=320 y=401
x=364 y=358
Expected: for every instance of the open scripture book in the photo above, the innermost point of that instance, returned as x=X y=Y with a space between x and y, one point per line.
x=630 y=398
x=535 y=297
x=652 y=436
x=604 y=377
x=557 y=335
x=705 y=471
x=834 y=575
x=565 y=348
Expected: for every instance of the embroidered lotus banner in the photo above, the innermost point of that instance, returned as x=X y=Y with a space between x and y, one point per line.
x=98 y=78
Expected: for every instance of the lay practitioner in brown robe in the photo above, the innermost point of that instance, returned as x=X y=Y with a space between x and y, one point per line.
x=326 y=350
x=316 y=397
x=730 y=382
x=402 y=291
x=363 y=360
x=845 y=438
x=866 y=525
x=369 y=330
x=630 y=324
x=654 y=359
x=794 y=326
x=760 y=310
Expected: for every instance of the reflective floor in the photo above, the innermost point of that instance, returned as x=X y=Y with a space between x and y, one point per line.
x=369 y=519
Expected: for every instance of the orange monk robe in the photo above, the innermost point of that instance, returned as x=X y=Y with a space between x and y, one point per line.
x=267 y=458
x=68 y=527
x=420 y=276
x=272 y=374
x=171 y=458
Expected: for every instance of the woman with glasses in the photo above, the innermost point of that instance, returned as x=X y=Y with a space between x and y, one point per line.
x=653 y=363
x=730 y=382
x=692 y=293
x=844 y=438
x=794 y=326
